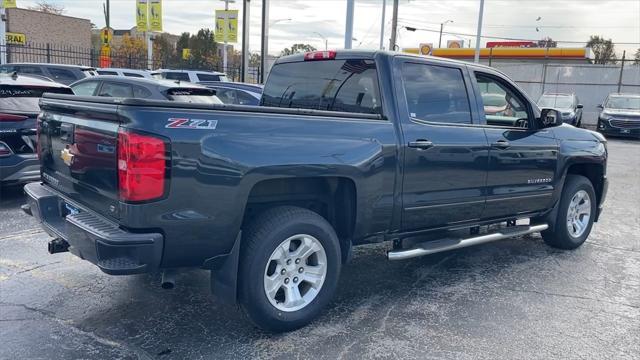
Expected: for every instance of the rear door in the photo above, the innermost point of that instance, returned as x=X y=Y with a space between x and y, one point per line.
x=522 y=158
x=445 y=151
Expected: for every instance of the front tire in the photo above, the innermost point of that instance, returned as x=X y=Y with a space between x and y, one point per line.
x=290 y=265
x=576 y=211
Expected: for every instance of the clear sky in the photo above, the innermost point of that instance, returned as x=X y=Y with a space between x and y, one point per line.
x=307 y=21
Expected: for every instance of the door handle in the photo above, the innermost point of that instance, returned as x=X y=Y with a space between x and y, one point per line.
x=501 y=144
x=420 y=144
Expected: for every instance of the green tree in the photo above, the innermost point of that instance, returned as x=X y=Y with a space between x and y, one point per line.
x=204 y=55
x=547 y=43
x=163 y=52
x=297 y=48
x=603 y=50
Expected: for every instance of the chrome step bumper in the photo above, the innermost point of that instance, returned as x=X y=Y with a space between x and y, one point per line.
x=436 y=246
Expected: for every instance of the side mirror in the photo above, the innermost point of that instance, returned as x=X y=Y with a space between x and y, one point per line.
x=579 y=106
x=600 y=106
x=550 y=118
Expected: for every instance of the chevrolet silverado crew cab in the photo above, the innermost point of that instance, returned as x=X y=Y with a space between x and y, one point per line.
x=346 y=148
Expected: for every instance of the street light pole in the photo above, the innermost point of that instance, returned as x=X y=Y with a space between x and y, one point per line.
x=384 y=8
x=441 y=28
x=326 y=41
x=246 y=15
x=476 y=57
x=394 y=26
x=348 y=32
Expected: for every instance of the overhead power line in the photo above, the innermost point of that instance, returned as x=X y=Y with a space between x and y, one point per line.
x=413 y=28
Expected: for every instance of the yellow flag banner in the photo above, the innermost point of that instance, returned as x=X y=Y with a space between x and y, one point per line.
x=8 y=4
x=186 y=54
x=155 y=15
x=226 y=26
x=141 y=15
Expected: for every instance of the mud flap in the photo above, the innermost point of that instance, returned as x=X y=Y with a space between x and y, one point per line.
x=224 y=273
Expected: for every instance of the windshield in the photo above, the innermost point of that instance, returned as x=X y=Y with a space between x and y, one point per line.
x=562 y=102
x=623 y=102
x=194 y=96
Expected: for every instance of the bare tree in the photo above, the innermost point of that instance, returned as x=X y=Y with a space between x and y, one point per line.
x=47 y=7
x=636 y=58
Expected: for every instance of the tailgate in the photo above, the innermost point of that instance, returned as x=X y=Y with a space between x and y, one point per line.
x=79 y=152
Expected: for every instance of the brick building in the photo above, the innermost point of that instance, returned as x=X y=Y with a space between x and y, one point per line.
x=46 y=31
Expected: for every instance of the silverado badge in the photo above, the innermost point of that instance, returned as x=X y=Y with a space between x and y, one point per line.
x=66 y=156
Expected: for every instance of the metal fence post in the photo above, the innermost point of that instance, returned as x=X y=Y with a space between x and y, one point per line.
x=621 y=70
x=48 y=53
x=544 y=69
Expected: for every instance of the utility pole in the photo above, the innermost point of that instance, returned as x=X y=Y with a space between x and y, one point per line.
x=246 y=6
x=264 y=43
x=394 y=26
x=384 y=8
x=476 y=57
x=348 y=32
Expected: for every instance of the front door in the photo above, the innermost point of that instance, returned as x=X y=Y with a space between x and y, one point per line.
x=522 y=158
x=445 y=153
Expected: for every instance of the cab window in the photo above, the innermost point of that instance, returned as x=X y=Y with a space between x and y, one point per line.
x=501 y=105
x=86 y=88
x=117 y=90
x=436 y=93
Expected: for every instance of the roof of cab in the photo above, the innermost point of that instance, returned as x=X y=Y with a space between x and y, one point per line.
x=343 y=54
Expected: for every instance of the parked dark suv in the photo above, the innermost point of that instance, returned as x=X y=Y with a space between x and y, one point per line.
x=64 y=74
x=620 y=115
x=19 y=97
x=568 y=105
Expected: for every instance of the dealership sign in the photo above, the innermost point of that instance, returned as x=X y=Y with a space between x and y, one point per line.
x=16 y=38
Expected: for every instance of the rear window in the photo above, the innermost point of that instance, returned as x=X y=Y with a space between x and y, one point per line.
x=208 y=77
x=104 y=72
x=133 y=75
x=335 y=85
x=182 y=76
x=193 y=95
x=25 y=98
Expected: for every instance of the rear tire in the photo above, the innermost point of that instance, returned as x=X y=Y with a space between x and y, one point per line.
x=289 y=268
x=576 y=211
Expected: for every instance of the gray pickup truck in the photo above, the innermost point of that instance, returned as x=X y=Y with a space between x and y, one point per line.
x=347 y=148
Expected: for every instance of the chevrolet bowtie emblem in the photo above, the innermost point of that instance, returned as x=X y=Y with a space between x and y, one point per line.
x=66 y=156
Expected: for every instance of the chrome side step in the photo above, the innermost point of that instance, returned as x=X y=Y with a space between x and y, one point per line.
x=436 y=246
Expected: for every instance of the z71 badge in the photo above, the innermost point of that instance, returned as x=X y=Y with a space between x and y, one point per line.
x=180 y=123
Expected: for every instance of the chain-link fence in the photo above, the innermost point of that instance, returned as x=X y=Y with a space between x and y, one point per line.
x=72 y=55
x=591 y=83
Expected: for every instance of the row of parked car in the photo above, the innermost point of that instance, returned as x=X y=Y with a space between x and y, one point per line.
x=619 y=112
x=22 y=85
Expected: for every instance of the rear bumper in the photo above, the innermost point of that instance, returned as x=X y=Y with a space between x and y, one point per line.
x=92 y=237
x=19 y=169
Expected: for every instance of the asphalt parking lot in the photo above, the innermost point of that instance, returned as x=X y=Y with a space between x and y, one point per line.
x=511 y=299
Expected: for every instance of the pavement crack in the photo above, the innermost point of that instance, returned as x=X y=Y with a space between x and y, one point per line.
x=612 y=247
x=78 y=331
x=38 y=267
x=19 y=234
x=572 y=297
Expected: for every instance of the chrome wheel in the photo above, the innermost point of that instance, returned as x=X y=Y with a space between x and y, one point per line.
x=578 y=214
x=295 y=272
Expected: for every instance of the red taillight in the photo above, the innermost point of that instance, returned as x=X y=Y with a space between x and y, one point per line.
x=12 y=117
x=320 y=55
x=141 y=166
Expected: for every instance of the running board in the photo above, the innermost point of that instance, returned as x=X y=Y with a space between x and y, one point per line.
x=436 y=246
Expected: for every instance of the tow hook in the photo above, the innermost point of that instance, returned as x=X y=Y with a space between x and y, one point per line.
x=57 y=246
